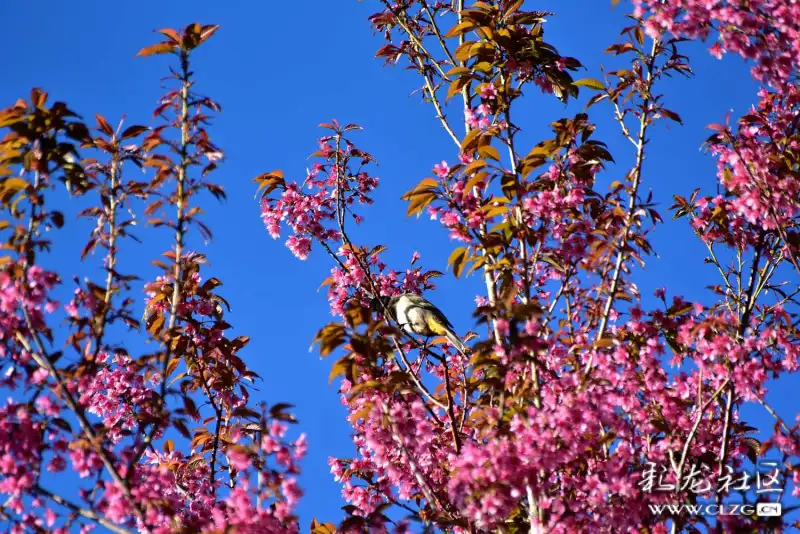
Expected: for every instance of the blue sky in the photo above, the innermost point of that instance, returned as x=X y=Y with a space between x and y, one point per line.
x=279 y=69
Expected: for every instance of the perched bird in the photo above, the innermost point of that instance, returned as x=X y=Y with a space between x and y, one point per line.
x=416 y=315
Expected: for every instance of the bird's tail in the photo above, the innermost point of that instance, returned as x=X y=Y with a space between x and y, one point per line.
x=455 y=341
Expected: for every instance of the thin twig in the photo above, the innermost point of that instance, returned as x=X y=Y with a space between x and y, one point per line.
x=84 y=512
x=775 y=415
x=690 y=437
x=450 y=411
x=438 y=34
x=403 y=22
x=644 y=123
x=180 y=230
x=415 y=378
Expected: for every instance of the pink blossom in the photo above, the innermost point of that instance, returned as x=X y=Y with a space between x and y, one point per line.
x=442 y=170
x=488 y=91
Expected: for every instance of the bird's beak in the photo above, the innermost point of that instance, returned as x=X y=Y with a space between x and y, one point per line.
x=375 y=304
x=379 y=304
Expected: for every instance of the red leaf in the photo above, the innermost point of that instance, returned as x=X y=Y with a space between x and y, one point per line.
x=133 y=131
x=171 y=34
x=89 y=246
x=103 y=125
x=207 y=31
x=159 y=48
x=38 y=97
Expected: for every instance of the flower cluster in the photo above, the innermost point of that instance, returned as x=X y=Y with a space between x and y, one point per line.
x=305 y=214
x=334 y=186
x=755 y=165
x=400 y=448
x=764 y=31
x=117 y=393
x=18 y=292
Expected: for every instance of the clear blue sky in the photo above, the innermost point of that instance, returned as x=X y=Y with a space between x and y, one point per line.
x=279 y=69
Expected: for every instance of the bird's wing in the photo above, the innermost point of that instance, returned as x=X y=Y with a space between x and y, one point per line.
x=426 y=305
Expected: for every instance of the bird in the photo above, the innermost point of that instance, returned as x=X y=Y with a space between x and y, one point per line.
x=416 y=315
